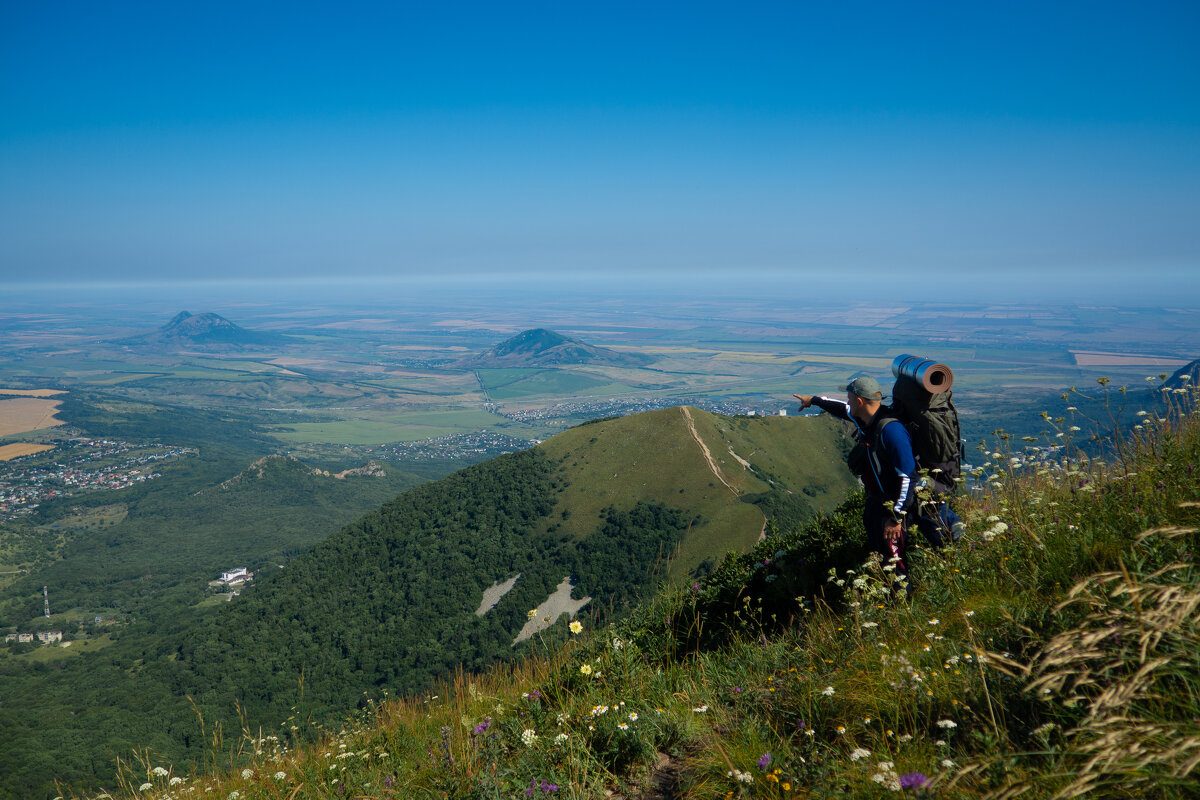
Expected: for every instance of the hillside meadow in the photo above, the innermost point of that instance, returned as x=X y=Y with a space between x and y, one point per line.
x=1051 y=653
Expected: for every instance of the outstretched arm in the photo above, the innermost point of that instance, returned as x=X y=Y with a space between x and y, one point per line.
x=838 y=408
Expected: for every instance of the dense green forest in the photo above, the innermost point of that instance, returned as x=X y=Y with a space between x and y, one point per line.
x=385 y=604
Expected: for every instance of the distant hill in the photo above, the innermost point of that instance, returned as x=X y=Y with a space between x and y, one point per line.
x=205 y=331
x=539 y=347
x=1185 y=377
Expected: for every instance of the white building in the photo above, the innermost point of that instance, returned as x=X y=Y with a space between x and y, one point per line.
x=235 y=574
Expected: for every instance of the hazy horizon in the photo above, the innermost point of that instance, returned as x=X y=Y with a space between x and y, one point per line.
x=1174 y=288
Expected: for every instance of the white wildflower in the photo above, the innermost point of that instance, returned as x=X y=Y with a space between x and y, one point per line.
x=280 y=776
x=859 y=753
x=827 y=691
x=947 y=724
x=701 y=709
x=249 y=773
x=160 y=771
x=529 y=736
x=145 y=786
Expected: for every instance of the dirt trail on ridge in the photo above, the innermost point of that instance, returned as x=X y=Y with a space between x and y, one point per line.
x=687 y=414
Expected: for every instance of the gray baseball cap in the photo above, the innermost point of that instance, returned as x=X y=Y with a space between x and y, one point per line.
x=866 y=388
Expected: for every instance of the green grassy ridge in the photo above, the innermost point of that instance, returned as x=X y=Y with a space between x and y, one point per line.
x=653 y=457
x=774 y=678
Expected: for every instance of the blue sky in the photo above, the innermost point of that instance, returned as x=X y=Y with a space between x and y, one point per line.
x=1043 y=145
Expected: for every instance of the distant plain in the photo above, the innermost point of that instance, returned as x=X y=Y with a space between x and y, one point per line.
x=368 y=375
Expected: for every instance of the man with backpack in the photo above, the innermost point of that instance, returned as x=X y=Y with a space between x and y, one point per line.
x=883 y=459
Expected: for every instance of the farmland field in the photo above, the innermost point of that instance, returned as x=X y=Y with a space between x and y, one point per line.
x=401 y=427
x=10 y=451
x=361 y=376
x=23 y=414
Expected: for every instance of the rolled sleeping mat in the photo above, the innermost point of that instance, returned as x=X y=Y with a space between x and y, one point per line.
x=932 y=376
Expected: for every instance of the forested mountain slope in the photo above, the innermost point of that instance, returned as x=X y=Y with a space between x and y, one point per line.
x=388 y=603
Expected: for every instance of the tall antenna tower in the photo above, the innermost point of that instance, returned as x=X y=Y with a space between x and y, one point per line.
x=46 y=597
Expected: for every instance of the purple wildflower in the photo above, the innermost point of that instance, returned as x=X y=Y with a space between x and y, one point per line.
x=483 y=726
x=535 y=695
x=387 y=782
x=911 y=781
x=737 y=690
x=546 y=786
x=764 y=760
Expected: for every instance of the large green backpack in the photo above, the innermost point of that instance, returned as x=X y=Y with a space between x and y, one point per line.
x=932 y=423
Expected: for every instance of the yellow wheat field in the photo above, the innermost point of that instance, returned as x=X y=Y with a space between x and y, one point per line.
x=21 y=414
x=10 y=451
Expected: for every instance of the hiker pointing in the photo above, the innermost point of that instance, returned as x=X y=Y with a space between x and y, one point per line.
x=882 y=458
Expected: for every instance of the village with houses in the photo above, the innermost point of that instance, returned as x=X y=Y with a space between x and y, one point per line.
x=78 y=465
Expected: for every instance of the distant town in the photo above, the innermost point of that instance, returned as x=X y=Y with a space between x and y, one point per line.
x=78 y=465
x=481 y=445
x=616 y=407
x=475 y=446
